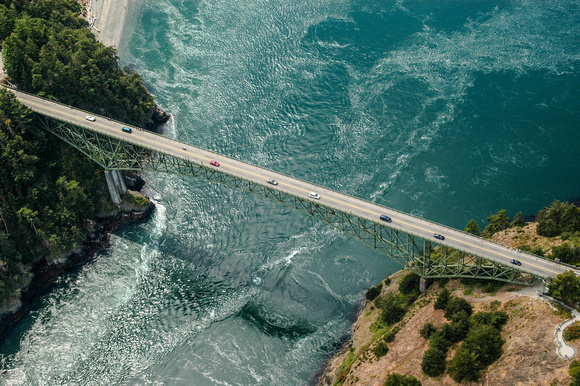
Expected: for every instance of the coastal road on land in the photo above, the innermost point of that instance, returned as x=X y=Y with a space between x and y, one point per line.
x=404 y=222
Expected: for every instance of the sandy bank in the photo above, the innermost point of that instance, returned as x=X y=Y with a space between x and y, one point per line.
x=107 y=19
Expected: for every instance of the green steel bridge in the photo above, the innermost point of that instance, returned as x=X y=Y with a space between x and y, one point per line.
x=407 y=239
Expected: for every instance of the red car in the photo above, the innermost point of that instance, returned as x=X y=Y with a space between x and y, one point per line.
x=214 y=163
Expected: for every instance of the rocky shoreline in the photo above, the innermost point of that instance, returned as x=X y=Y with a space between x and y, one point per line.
x=98 y=238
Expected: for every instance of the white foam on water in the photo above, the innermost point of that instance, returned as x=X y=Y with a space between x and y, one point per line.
x=76 y=316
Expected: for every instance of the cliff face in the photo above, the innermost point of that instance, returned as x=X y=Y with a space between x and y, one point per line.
x=529 y=353
x=134 y=207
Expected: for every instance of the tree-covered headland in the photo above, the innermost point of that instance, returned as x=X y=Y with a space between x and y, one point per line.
x=48 y=50
x=49 y=191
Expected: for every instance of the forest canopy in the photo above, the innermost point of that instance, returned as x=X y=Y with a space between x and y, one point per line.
x=48 y=190
x=48 y=50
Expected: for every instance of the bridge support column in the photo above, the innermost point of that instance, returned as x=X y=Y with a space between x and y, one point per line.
x=119 y=182
x=424 y=284
x=116 y=185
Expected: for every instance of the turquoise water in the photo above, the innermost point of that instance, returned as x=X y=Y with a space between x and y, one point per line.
x=447 y=110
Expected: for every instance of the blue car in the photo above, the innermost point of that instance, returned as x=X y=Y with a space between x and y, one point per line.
x=438 y=236
x=386 y=218
x=516 y=262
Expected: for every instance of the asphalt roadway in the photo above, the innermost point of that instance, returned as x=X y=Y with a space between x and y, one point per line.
x=413 y=225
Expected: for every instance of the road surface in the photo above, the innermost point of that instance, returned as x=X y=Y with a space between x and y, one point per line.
x=401 y=221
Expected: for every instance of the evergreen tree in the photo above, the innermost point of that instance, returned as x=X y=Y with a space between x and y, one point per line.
x=496 y=223
x=454 y=306
x=401 y=380
x=559 y=217
x=409 y=283
x=518 y=220
x=427 y=329
x=464 y=366
x=433 y=362
x=566 y=287
x=472 y=227
x=574 y=371
x=374 y=292
x=442 y=299
x=391 y=310
x=486 y=342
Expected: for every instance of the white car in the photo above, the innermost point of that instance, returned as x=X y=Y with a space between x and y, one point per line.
x=90 y=118
x=316 y=196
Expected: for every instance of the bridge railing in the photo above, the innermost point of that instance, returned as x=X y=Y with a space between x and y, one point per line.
x=124 y=138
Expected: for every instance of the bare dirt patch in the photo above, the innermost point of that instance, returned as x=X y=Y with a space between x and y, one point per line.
x=529 y=356
x=517 y=237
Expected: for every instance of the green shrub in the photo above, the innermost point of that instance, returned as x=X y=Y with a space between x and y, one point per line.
x=460 y=326
x=537 y=250
x=574 y=371
x=136 y=199
x=390 y=335
x=496 y=319
x=427 y=330
x=373 y=292
x=492 y=286
x=455 y=305
x=409 y=283
x=486 y=342
x=401 y=380
x=381 y=349
x=464 y=366
x=472 y=227
x=438 y=341
x=496 y=223
x=567 y=253
x=443 y=282
x=559 y=217
x=391 y=311
x=433 y=362
x=572 y=332
x=566 y=287
x=442 y=299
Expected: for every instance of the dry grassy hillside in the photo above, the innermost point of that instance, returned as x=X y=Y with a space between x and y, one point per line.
x=529 y=353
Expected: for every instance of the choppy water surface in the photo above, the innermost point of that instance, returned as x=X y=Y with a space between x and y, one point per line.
x=450 y=111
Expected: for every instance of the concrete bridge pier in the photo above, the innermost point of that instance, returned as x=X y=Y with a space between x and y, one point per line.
x=116 y=185
x=424 y=283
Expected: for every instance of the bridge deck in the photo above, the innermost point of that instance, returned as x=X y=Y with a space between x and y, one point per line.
x=401 y=221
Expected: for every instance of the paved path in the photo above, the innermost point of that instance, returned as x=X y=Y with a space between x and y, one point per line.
x=565 y=350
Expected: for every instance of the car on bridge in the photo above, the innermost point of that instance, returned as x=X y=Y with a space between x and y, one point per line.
x=127 y=130
x=271 y=181
x=314 y=195
x=438 y=236
x=386 y=218
x=90 y=118
x=516 y=262
x=214 y=163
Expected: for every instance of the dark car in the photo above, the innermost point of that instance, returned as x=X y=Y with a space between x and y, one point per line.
x=386 y=218
x=214 y=163
x=516 y=262
x=438 y=236
x=271 y=181
x=127 y=130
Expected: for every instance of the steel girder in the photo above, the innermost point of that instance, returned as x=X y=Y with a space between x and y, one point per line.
x=413 y=252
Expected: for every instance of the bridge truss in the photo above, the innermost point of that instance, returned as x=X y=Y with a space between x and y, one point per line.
x=421 y=256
